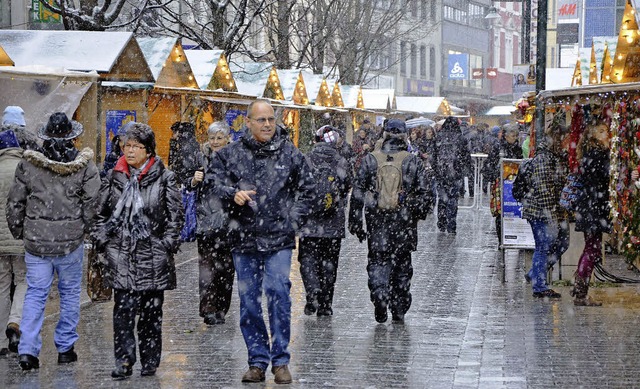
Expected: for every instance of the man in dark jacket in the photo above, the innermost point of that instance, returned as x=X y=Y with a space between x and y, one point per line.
x=392 y=234
x=66 y=181
x=268 y=187
x=452 y=158
x=321 y=236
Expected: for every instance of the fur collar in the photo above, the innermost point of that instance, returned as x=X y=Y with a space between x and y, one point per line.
x=63 y=168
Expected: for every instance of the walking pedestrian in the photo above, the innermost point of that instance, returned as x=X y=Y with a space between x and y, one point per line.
x=138 y=228
x=67 y=181
x=321 y=236
x=541 y=208
x=267 y=185
x=391 y=215
x=184 y=152
x=452 y=159
x=592 y=211
x=215 y=263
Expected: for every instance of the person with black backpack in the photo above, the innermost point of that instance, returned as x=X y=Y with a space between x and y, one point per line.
x=452 y=159
x=321 y=236
x=393 y=189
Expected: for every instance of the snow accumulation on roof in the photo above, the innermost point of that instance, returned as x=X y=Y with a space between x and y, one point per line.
x=377 y=98
x=350 y=95
x=156 y=52
x=500 y=110
x=203 y=64
x=251 y=77
x=312 y=82
x=559 y=78
x=71 y=50
x=288 y=79
x=420 y=104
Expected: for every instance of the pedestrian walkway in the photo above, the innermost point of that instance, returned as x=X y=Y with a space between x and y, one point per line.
x=465 y=329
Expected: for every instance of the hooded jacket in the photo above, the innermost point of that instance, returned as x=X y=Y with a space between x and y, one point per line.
x=149 y=265
x=9 y=159
x=51 y=204
x=320 y=224
x=279 y=173
x=397 y=229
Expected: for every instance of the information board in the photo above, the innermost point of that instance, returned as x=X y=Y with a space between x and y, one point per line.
x=516 y=232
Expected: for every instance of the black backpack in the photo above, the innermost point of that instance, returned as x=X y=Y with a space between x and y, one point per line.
x=327 y=186
x=522 y=183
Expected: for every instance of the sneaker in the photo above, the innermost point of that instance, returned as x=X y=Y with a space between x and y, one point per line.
x=550 y=293
x=67 y=356
x=13 y=333
x=381 y=314
x=281 y=374
x=254 y=374
x=28 y=362
x=121 y=372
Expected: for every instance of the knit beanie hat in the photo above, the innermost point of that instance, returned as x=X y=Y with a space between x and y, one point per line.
x=13 y=115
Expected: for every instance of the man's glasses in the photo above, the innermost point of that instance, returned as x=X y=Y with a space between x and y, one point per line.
x=263 y=121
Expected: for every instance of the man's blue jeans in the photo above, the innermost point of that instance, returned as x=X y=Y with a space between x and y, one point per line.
x=40 y=272
x=271 y=271
x=544 y=234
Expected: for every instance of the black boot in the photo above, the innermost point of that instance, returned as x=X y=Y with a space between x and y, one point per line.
x=579 y=293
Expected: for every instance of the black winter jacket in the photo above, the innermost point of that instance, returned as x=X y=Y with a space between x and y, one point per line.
x=391 y=230
x=212 y=215
x=279 y=173
x=320 y=224
x=592 y=212
x=150 y=264
x=491 y=168
x=452 y=158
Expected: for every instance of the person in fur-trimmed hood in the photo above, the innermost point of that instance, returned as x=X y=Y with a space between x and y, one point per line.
x=50 y=206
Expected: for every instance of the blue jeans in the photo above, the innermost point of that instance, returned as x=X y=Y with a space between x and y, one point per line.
x=39 y=278
x=544 y=234
x=271 y=271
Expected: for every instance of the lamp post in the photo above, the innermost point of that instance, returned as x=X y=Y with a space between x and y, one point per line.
x=541 y=66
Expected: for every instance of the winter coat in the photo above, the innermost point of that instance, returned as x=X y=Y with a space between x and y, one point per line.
x=320 y=224
x=211 y=214
x=547 y=180
x=592 y=212
x=491 y=167
x=452 y=159
x=388 y=230
x=279 y=173
x=184 y=157
x=9 y=159
x=149 y=265
x=51 y=204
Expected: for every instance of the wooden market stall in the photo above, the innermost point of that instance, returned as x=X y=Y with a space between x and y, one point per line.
x=113 y=56
x=5 y=60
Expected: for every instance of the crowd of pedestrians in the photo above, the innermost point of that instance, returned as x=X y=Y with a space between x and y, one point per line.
x=256 y=200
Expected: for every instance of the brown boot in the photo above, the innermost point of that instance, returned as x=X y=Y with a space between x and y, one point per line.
x=579 y=293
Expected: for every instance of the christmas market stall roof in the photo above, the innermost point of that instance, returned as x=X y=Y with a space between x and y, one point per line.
x=168 y=62
x=423 y=105
x=500 y=110
x=293 y=86
x=203 y=64
x=251 y=77
x=116 y=56
x=378 y=99
x=352 y=96
x=5 y=60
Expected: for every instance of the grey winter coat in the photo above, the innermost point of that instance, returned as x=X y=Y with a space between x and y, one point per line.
x=9 y=159
x=149 y=265
x=397 y=230
x=321 y=224
x=284 y=185
x=51 y=204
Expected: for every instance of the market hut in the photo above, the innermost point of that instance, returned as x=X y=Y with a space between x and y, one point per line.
x=5 y=60
x=425 y=105
x=113 y=56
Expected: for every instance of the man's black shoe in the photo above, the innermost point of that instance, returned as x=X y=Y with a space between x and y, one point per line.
x=28 y=362
x=67 y=356
x=13 y=333
x=397 y=318
x=325 y=312
x=381 y=314
x=310 y=309
x=549 y=293
x=121 y=372
x=148 y=371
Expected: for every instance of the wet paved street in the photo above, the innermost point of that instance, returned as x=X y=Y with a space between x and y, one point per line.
x=465 y=329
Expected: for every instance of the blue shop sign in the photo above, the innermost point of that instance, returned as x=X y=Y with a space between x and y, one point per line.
x=458 y=66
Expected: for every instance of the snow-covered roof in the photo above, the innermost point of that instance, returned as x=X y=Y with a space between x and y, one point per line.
x=203 y=64
x=559 y=78
x=71 y=50
x=251 y=77
x=584 y=54
x=500 y=110
x=420 y=104
x=288 y=79
x=350 y=95
x=156 y=51
x=377 y=98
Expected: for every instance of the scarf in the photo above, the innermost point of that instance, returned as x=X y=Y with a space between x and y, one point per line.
x=128 y=211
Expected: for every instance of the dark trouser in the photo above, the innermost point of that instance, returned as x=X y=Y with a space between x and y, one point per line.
x=591 y=254
x=216 y=276
x=319 y=267
x=448 y=205
x=390 y=275
x=128 y=304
